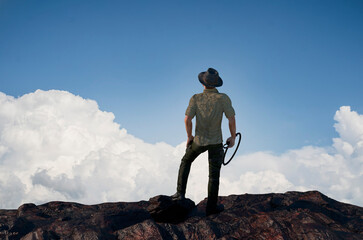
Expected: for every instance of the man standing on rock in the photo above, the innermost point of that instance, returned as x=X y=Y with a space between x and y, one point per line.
x=208 y=107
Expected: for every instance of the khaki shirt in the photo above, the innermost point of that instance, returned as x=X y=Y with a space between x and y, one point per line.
x=208 y=107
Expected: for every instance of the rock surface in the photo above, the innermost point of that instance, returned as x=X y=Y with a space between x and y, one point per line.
x=293 y=215
x=164 y=209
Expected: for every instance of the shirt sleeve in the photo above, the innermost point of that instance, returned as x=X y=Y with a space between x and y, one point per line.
x=227 y=107
x=191 y=110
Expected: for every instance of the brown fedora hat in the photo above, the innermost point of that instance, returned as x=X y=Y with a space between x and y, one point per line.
x=210 y=78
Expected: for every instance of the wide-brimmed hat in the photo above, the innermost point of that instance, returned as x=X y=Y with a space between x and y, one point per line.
x=210 y=78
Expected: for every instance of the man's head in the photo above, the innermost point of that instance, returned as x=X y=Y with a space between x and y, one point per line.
x=210 y=78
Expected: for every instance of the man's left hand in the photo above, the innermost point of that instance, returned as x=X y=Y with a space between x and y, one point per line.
x=230 y=142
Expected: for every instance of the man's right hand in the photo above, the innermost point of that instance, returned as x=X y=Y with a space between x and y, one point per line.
x=190 y=140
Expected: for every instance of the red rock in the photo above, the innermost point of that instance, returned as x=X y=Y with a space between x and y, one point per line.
x=293 y=215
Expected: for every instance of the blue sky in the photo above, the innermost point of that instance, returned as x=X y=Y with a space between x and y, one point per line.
x=287 y=65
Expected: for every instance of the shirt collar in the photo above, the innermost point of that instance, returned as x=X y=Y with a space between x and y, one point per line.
x=213 y=90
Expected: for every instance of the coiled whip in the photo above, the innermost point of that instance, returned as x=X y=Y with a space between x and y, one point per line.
x=225 y=146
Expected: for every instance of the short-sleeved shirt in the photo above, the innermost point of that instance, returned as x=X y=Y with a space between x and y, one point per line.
x=208 y=107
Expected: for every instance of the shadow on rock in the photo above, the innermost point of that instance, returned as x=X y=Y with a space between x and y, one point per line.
x=164 y=209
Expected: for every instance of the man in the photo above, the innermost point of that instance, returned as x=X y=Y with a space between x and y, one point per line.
x=208 y=107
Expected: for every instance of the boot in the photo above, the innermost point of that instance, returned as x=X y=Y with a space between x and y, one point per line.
x=214 y=210
x=178 y=196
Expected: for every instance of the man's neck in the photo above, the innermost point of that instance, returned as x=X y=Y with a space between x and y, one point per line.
x=208 y=87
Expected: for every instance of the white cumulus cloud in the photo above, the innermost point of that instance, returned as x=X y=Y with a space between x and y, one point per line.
x=335 y=170
x=58 y=146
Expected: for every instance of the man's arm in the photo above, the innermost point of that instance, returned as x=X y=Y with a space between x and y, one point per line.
x=232 y=129
x=189 y=128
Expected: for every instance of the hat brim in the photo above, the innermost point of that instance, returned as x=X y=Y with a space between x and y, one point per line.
x=218 y=83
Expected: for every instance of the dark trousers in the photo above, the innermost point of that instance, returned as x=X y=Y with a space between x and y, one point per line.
x=215 y=159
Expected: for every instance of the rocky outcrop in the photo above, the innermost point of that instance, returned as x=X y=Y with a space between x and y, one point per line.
x=293 y=215
x=164 y=209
